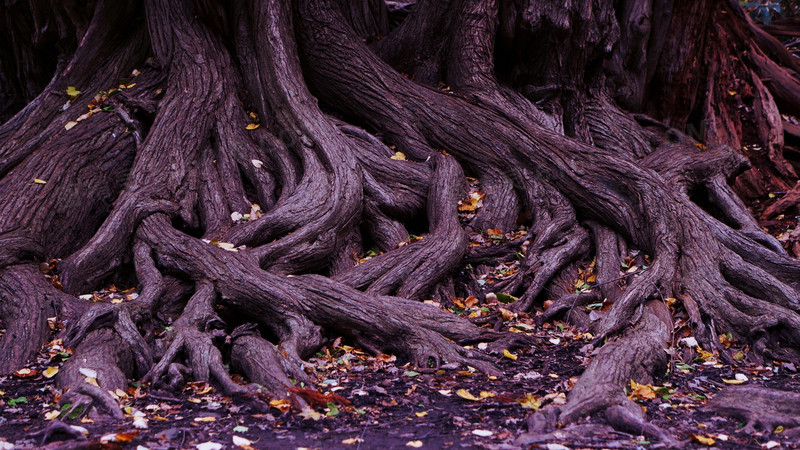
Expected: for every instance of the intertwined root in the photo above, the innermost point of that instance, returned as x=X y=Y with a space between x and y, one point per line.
x=220 y=126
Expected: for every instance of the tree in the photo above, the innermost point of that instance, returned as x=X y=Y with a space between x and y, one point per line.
x=579 y=123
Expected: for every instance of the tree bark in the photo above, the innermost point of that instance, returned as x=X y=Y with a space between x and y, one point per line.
x=237 y=163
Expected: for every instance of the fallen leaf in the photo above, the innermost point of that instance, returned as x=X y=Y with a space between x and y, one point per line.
x=240 y=429
x=509 y=355
x=52 y=414
x=703 y=440
x=119 y=437
x=507 y=315
x=92 y=381
x=421 y=413
x=530 y=401
x=309 y=414
x=205 y=419
x=483 y=433
x=79 y=429
x=352 y=441
x=38 y=181
x=72 y=92
x=209 y=446
x=90 y=373
x=50 y=372
x=463 y=393
x=738 y=379
x=26 y=373
x=399 y=156
x=257 y=163
x=414 y=444
x=556 y=447
x=140 y=423
x=227 y=246
x=641 y=391
x=242 y=442
x=252 y=126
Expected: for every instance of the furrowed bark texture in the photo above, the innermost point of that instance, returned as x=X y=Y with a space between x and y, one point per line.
x=269 y=174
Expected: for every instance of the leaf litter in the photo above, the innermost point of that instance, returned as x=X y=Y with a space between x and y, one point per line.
x=360 y=399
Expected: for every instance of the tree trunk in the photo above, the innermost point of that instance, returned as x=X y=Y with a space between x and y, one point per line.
x=237 y=162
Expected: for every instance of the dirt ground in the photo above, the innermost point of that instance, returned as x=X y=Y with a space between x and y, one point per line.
x=375 y=401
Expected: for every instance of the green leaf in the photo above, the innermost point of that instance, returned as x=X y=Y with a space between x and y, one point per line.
x=683 y=366
x=75 y=413
x=505 y=298
x=410 y=373
x=360 y=411
x=333 y=409
x=17 y=401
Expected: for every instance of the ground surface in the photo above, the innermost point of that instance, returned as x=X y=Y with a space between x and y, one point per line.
x=376 y=401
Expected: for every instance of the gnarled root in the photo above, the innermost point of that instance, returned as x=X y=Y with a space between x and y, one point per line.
x=763 y=411
x=639 y=355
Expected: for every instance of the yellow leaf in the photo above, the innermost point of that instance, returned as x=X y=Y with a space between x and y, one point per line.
x=399 y=156
x=530 y=401
x=72 y=92
x=205 y=419
x=310 y=414
x=779 y=429
x=421 y=413
x=641 y=391
x=703 y=440
x=352 y=441
x=414 y=444
x=704 y=354
x=70 y=124
x=463 y=393
x=92 y=381
x=52 y=414
x=733 y=381
x=252 y=126
x=50 y=372
x=487 y=394
x=38 y=181
x=281 y=404
x=509 y=355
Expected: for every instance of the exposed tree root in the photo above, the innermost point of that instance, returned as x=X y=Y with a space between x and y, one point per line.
x=638 y=355
x=761 y=409
x=246 y=211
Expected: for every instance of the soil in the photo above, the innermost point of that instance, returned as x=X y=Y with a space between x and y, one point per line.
x=371 y=401
x=376 y=401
